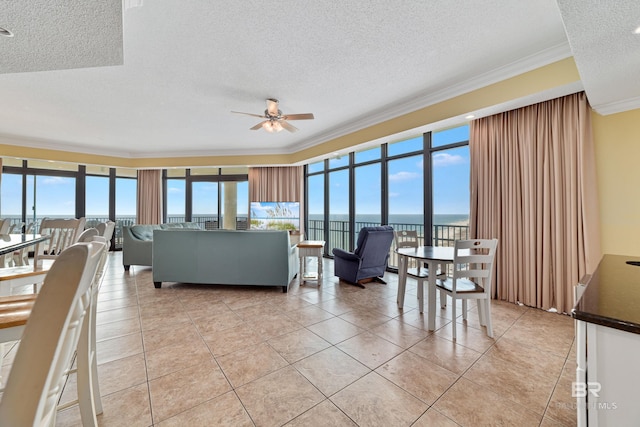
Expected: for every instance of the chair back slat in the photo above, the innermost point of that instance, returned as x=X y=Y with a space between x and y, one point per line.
x=473 y=259
x=406 y=239
x=62 y=234
x=5 y=225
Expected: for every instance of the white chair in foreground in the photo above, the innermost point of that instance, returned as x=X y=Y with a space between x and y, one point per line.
x=50 y=338
x=14 y=314
x=88 y=388
x=471 y=279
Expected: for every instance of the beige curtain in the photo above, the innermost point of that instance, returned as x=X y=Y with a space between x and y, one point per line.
x=533 y=187
x=275 y=184
x=149 y=205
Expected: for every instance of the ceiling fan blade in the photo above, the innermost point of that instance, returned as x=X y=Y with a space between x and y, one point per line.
x=259 y=125
x=287 y=126
x=272 y=106
x=305 y=116
x=248 y=114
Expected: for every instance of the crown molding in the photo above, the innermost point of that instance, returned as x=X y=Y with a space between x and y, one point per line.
x=47 y=144
x=427 y=98
x=617 y=106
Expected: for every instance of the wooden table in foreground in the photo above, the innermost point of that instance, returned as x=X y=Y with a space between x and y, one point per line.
x=433 y=256
x=310 y=248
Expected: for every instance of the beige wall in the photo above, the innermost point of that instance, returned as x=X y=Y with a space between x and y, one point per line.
x=617 y=143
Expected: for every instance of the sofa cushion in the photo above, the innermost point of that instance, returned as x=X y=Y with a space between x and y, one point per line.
x=189 y=225
x=144 y=231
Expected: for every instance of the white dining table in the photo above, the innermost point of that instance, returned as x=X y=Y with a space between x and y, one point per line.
x=435 y=257
x=13 y=242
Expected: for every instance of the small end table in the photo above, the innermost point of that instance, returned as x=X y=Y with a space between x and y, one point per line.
x=310 y=248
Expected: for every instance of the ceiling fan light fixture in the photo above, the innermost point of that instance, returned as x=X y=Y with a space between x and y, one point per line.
x=272 y=126
x=273 y=120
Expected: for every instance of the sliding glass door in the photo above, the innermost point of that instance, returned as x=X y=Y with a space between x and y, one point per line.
x=204 y=206
x=50 y=197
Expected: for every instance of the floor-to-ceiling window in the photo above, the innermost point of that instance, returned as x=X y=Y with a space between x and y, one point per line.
x=315 y=193
x=419 y=183
x=406 y=197
x=339 y=196
x=97 y=200
x=11 y=197
x=34 y=189
x=218 y=197
x=450 y=187
x=175 y=199
x=204 y=207
x=367 y=186
x=126 y=185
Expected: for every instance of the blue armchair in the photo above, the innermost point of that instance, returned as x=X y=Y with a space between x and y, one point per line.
x=369 y=260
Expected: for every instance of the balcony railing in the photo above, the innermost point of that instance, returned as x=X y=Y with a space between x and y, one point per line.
x=443 y=234
x=206 y=222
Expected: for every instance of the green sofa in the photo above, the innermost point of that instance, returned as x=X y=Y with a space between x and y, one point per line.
x=226 y=257
x=137 y=240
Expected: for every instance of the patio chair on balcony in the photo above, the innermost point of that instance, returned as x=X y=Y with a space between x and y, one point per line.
x=369 y=260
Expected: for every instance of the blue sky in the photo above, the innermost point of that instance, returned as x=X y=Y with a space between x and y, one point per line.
x=450 y=176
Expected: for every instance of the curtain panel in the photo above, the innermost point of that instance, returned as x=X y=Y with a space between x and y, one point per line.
x=275 y=184
x=533 y=187
x=149 y=204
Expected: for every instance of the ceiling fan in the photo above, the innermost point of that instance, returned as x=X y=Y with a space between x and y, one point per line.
x=275 y=121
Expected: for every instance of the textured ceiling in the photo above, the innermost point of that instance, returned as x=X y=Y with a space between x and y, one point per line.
x=188 y=64
x=58 y=35
x=606 y=50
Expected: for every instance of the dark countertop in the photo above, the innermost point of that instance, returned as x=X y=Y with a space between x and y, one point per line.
x=612 y=296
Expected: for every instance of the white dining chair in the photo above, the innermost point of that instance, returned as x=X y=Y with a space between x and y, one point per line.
x=471 y=279
x=5 y=228
x=62 y=234
x=418 y=271
x=88 y=388
x=14 y=314
x=50 y=338
x=106 y=229
x=21 y=257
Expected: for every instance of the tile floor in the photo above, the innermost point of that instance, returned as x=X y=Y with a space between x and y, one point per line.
x=334 y=355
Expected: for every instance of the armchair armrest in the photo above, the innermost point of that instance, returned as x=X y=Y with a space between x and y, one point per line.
x=348 y=256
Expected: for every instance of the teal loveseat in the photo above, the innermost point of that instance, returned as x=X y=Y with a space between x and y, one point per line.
x=137 y=241
x=225 y=257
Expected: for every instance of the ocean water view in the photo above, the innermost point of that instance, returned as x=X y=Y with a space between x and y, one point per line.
x=438 y=219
